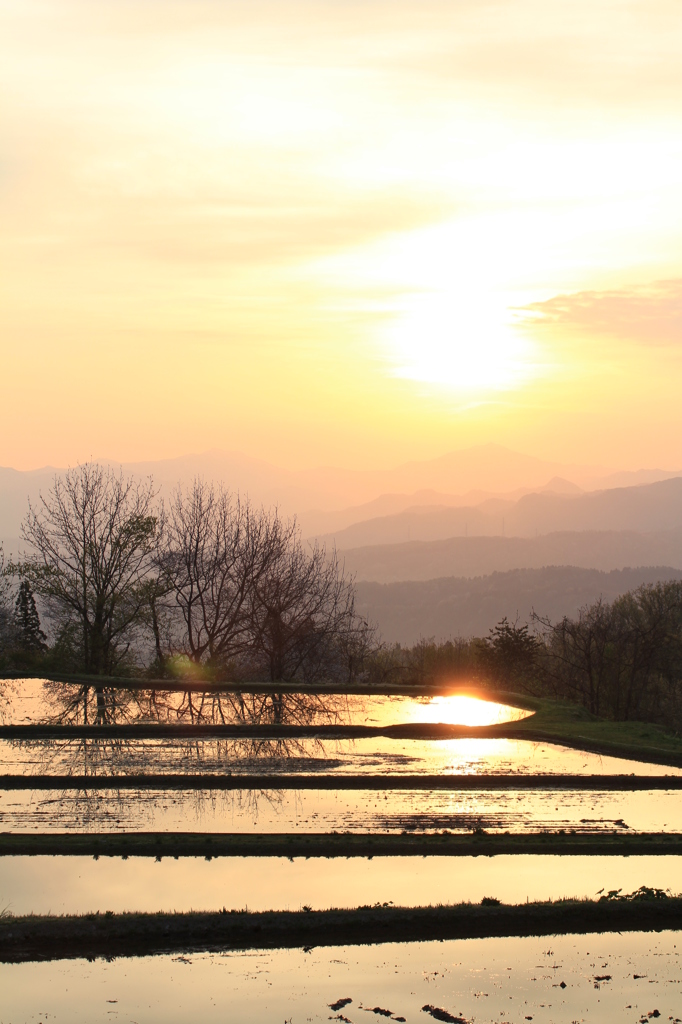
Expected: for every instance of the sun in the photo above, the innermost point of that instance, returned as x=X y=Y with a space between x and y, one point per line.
x=451 y=293
x=461 y=343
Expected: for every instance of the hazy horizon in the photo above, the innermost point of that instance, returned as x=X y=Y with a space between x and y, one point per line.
x=459 y=477
x=594 y=468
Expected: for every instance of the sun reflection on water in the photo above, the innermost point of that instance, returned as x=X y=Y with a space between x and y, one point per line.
x=459 y=709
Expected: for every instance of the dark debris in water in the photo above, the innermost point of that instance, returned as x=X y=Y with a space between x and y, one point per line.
x=439 y=1014
x=340 y=1003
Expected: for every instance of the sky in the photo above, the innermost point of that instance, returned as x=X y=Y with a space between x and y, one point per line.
x=340 y=232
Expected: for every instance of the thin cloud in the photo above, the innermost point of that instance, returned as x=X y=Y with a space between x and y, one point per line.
x=649 y=315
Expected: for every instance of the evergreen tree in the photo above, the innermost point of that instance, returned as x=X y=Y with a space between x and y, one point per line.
x=510 y=654
x=30 y=636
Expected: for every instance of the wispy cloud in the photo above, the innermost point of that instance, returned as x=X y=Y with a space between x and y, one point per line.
x=649 y=315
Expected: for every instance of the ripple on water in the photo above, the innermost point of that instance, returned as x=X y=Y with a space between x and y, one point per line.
x=608 y=977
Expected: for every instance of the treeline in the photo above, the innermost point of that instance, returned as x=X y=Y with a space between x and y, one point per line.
x=621 y=661
x=202 y=585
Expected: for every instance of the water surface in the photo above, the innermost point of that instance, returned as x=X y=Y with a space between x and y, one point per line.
x=371 y=755
x=514 y=980
x=81 y=885
x=359 y=811
x=39 y=701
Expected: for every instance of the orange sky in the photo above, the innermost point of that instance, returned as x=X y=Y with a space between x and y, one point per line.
x=341 y=232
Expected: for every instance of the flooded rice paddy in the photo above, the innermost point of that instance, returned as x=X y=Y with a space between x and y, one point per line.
x=611 y=979
x=36 y=701
x=632 y=977
x=82 y=885
x=378 y=755
x=353 y=811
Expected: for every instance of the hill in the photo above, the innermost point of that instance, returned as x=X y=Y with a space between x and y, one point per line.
x=441 y=608
x=644 y=508
x=480 y=556
x=316 y=494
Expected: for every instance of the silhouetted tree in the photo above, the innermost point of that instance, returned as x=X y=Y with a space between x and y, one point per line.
x=622 y=661
x=216 y=550
x=29 y=636
x=578 y=655
x=304 y=625
x=510 y=654
x=93 y=538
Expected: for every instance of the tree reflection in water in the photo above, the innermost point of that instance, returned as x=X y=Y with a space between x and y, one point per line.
x=9 y=691
x=84 y=810
x=111 y=757
x=81 y=704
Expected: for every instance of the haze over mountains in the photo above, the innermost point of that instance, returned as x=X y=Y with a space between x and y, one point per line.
x=480 y=556
x=329 y=498
x=452 y=606
x=646 y=508
x=462 y=540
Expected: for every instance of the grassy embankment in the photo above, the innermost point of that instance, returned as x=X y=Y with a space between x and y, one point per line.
x=574 y=726
x=481 y=782
x=338 y=844
x=44 y=938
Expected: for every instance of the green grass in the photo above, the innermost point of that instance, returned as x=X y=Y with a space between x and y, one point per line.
x=570 y=724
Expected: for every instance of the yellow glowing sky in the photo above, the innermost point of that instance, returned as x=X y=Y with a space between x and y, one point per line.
x=338 y=231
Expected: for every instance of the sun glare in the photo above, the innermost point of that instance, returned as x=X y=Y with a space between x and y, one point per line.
x=462 y=343
x=458 y=709
x=448 y=314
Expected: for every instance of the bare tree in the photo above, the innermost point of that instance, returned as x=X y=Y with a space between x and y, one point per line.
x=216 y=550
x=647 y=624
x=621 y=660
x=577 y=655
x=93 y=538
x=304 y=626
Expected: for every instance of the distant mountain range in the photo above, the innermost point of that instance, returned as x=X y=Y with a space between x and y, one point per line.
x=647 y=508
x=451 y=607
x=467 y=514
x=480 y=556
x=449 y=546
x=386 y=505
x=328 y=498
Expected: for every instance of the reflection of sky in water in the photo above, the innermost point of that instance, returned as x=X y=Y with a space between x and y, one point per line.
x=506 y=979
x=372 y=755
x=327 y=811
x=24 y=701
x=80 y=885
